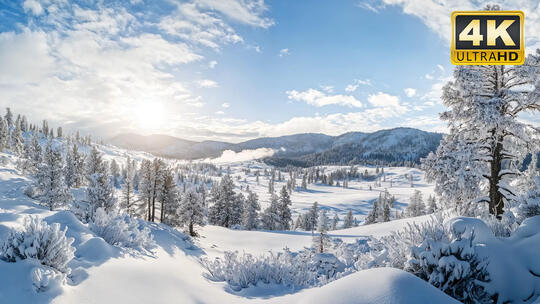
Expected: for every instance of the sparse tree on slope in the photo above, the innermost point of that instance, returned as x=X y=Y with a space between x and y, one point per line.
x=192 y=210
x=348 y=221
x=285 y=209
x=53 y=191
x=321 y=241
x=251 y=209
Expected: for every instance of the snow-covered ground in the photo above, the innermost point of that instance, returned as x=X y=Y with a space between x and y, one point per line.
x=173 y=271
x=102 y=273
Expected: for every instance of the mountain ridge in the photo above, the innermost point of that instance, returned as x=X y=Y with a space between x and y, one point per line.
x=309 y=148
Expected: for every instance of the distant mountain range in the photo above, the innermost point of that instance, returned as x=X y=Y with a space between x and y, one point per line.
x=390 y=146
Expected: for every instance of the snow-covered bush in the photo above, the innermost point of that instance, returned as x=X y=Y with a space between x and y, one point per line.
x=121 y=230
x=41 y=241
x=502 y=227
x=452 y=265
x=44 y=279
x=295 y=270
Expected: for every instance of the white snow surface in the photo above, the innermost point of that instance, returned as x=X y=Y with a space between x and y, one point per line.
x=172 y=273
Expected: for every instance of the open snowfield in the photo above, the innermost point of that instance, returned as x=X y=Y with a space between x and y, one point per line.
x=102 y=273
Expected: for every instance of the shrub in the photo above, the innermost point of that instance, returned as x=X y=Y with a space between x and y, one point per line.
x=121 y=230
x=41 y=241
x=452 y=265
x=295 y=270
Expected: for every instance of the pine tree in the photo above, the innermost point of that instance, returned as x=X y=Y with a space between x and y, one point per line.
x=270 y=218
x=9 y=117
x=50 y=180
x=128 y=196
x=431 y=205
x=386 y=213
x=335 y=221
x=4 y=134
x=74 y=170
x=192 y=211
x=115 y=173
x=99 y=193
x=321 y=241
x=285 y=209
x=313 y=217
x=168 y=195
x=223 y=201
x=348 y=220
x=17 y=141
x=484 y=104
x=251 y=209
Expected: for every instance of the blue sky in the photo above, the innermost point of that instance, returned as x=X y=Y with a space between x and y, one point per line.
x=230 y=69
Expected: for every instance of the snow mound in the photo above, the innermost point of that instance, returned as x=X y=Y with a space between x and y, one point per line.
x=377 y=285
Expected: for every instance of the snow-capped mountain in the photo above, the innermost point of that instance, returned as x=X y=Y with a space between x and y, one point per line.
x=398 y=144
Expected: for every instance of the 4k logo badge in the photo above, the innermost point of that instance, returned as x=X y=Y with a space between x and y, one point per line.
x=487 y=37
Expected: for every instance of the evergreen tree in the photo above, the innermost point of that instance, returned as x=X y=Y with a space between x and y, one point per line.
x=335 y=221
x=285 y=209
x=484 y=104
x=74 y=170
x=99 y=193
x=168 y=195
x=348 y=221
x=128 y=196
x=251 y=209
x=270 y=218
x=115 y=173
x=322 y=241
x=17 y=141
x=53 y=191
x=4 y=134
x=192 y=211
x=223 y=201
x=9 y=117
x=313 y=217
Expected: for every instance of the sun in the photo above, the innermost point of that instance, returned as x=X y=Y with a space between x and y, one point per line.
x=148 y=116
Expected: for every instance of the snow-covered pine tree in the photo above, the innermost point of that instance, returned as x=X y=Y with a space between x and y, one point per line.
x=223 y=199
x=99 y=193
x=192 y=211
x=335 y=221
x=285 y=203
x=115 y=173
x=17 y=141
x=9 y=117
x=74 y=169
x=4 y=134
x=416 y=206
x=348 y=220
x=313 y=217
x=168 y=196
x=431 y=204
x=52 y=188
x=128 y=195
x=250 y=217
x=484 y=106
x=270 y=217
x=321 y=241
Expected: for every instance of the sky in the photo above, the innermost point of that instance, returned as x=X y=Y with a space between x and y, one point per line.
x=232 y=70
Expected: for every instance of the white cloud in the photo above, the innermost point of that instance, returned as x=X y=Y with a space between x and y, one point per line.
x=436 y=14
x=410 y=92
x=441 y=68
x=220 y=112
x=389 y=103
x=33 y=6
x=212 y=64
x=320 y=99
x=247 y=12
x=368 y=6
x=225 y=105
x=429 y=76
x=327 y=89
x=283 y=52
x=356 y=83
x=207 y=83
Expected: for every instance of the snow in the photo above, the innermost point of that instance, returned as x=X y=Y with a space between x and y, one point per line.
x=102 y=273
x=377 y=285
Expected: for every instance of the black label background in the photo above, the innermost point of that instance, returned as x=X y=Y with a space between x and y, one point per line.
x=513 y=30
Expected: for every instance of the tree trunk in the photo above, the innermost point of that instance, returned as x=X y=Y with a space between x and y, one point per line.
x=162 y=212
x=191 y=231
x=149 y=210
x=496 y=203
